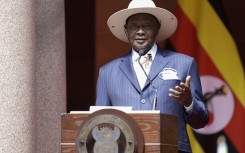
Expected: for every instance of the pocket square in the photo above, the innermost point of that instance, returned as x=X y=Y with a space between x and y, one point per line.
x=169 y=74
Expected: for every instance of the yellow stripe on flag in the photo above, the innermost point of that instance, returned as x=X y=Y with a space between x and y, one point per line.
x=217 y=42
x=196 y=148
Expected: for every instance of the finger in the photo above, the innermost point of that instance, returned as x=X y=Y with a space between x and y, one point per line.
x=181 y=88
x=175 y=92
x=187 y=81
x=174 y=96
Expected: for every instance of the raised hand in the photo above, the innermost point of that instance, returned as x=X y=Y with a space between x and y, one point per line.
x=182 y=93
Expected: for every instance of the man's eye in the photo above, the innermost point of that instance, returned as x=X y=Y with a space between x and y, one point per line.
x=137 y=27
x=147 y=27
x=133 y=27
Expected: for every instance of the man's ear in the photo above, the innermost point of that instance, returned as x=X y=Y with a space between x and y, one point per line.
x=126 y=32
x=158 y=28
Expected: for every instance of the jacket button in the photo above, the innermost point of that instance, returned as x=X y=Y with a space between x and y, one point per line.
x=143 y=101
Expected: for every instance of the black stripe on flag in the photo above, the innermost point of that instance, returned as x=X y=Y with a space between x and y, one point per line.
x=218 y=7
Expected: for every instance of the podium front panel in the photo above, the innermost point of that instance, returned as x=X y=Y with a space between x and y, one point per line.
x=160 y=131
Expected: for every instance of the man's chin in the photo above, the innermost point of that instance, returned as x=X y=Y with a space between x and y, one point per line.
x=140 y=45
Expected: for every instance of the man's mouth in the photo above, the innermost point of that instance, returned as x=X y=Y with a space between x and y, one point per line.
x=140 y=39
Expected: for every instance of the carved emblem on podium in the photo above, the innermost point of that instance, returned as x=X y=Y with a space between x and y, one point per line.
x=109 y=131
x=105 y=139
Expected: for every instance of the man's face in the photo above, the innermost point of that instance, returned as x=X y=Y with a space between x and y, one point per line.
x=141 y=30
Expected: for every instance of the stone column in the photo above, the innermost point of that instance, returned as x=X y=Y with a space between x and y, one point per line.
x=17 y=76
x=50 y=76
x=32 y=75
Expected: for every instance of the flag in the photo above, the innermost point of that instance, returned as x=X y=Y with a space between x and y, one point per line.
x=203 y=33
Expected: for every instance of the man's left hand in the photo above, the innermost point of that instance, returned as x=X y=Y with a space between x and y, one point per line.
x=182 y=93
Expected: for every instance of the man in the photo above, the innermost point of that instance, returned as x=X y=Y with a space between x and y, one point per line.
x=167 y=81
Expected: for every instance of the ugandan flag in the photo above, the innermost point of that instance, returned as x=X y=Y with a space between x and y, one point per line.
x=204 y=34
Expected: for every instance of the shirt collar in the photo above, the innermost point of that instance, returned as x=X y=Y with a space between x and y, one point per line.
x=152 y=51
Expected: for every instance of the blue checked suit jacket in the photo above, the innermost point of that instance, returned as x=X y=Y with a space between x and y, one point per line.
x=117 y=85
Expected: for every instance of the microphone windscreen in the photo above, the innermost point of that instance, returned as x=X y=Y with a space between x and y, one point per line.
x=141 y=52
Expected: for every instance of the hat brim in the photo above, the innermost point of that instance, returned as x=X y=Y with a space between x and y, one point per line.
x=168 y=22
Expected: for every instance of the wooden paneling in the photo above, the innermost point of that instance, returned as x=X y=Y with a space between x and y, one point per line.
x=80 y=53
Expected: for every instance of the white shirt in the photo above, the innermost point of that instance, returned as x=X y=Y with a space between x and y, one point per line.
x=138 y=70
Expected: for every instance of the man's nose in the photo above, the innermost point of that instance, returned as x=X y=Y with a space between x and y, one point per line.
x=141 y=30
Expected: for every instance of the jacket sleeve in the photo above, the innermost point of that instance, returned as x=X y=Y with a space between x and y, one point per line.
x=198 y=116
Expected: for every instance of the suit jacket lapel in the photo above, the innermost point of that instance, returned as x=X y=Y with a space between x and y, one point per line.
x=160 y=61
x=127 y=68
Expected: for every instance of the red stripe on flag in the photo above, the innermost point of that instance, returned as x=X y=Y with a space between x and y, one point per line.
x=235 y=129
x=181 y=41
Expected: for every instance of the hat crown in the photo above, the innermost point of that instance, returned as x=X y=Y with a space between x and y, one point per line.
x=141 y=3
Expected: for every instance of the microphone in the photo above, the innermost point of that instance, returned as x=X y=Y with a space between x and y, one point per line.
x=141 y=53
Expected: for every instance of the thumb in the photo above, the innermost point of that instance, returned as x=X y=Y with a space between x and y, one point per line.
x=187 y=81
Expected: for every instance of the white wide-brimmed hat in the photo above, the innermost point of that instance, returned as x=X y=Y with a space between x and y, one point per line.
x=168 y=21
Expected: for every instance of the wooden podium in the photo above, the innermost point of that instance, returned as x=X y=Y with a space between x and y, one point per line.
x=160 y=131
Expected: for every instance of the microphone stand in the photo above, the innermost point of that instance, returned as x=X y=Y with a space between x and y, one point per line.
x=154 y=88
